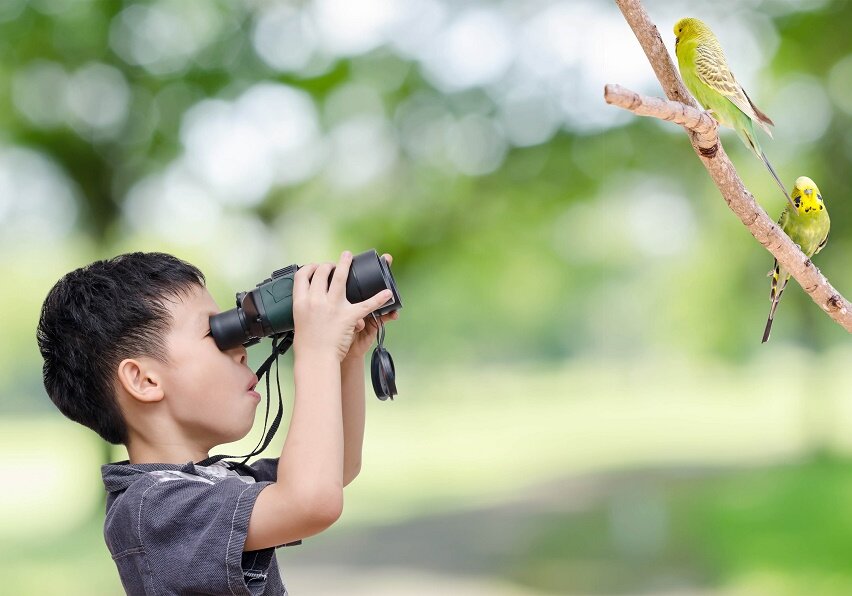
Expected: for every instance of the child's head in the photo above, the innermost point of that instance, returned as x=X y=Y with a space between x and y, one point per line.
x=128 y=353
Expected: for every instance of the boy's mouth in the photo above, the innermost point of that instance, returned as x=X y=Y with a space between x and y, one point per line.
x=250 y=389
x=252 y=384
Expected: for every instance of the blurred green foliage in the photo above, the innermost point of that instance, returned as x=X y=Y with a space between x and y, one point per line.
x=544 y=258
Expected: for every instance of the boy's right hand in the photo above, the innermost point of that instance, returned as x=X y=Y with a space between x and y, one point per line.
x=324 y=320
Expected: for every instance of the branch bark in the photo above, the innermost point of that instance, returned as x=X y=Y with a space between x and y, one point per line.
x=695 y=121
x=682 y=109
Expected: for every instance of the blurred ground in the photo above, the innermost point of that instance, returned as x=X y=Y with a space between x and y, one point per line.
x=726 y=532
x=662 y=478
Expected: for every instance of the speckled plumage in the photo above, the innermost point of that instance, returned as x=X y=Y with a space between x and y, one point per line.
x=706 y=74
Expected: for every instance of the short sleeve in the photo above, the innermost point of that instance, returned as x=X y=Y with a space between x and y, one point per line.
x=265 y=469
x=193 y=531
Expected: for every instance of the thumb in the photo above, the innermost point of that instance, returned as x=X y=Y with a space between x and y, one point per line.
x=376 y=301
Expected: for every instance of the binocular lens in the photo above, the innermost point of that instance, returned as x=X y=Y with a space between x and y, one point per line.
x=369 y=274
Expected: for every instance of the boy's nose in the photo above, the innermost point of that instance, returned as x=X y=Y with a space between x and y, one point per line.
x=241 y=353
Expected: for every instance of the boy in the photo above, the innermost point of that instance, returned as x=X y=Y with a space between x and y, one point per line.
x=128 y=352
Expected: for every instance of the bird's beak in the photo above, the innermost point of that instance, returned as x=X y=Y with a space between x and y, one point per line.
x=809 y=191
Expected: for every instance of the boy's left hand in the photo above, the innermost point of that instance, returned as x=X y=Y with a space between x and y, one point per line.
x=365 y=329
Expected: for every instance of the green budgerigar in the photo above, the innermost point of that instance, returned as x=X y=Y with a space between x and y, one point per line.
x=807 y=224
x=706 y=74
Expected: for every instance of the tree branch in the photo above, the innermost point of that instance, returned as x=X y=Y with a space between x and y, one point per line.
x=681 y=109
x=692 y=119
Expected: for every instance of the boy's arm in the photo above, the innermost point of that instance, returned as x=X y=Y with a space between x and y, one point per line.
x=352 y=389
x=308 y=494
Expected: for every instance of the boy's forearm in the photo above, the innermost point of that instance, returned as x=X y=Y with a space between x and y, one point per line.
x=312 y=455
x=352 y=389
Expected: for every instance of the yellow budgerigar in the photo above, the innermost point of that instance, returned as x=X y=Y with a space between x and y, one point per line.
x=807 y=224
x=706 y=74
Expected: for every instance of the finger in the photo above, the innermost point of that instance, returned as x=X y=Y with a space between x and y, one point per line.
x=371 y=321
x=385 y=318
x=319 y=281
x=359 y=326
x=301 y=280
x=341 y=272
x=388 y=258
x=375 y=302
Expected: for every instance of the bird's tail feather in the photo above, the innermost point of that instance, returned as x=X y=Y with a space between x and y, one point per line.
x=767 y=330
x=776 y=289
x=777 y=179
x=751 y=143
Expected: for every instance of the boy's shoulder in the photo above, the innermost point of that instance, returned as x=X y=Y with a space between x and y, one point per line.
x=120 y=476
x=181 y=528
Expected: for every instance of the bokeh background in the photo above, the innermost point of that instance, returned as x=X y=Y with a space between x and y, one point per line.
x=585 y=406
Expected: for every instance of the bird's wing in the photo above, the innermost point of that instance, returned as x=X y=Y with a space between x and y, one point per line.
x=782 y=221
x=827 y=230
x=822 y=244
x=713 y=71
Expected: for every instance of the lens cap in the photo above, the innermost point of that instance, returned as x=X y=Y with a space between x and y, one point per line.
x=383 y=373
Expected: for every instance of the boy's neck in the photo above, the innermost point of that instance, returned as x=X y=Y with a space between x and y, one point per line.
x=140 y=452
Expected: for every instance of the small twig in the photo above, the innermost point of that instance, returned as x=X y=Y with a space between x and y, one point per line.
x=693 y=119
x=682 y=110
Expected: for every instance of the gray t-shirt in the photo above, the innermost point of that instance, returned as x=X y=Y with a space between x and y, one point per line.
x=175 y=529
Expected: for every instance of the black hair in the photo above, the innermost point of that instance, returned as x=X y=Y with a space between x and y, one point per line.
x=98 y=315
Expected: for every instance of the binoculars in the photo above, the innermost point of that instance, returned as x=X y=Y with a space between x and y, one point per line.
x=267 y=311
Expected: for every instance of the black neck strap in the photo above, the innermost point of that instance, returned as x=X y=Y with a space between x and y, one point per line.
x=280 y=344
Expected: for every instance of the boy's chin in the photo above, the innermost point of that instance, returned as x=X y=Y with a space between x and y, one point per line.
x=232 y=434
x=236 y=434
x=231 y=427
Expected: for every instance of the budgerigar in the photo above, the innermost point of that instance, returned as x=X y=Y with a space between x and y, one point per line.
x=706 y=74
x=807 y=224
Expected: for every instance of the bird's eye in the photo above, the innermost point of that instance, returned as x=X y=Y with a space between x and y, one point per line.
x=819 y=197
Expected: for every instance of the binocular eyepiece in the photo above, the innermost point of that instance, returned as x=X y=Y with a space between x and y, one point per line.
x=267 y=310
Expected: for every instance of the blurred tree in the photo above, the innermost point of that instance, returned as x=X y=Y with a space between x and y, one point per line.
x=468 y=140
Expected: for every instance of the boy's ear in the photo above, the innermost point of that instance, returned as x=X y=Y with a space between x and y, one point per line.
x=140 y=380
